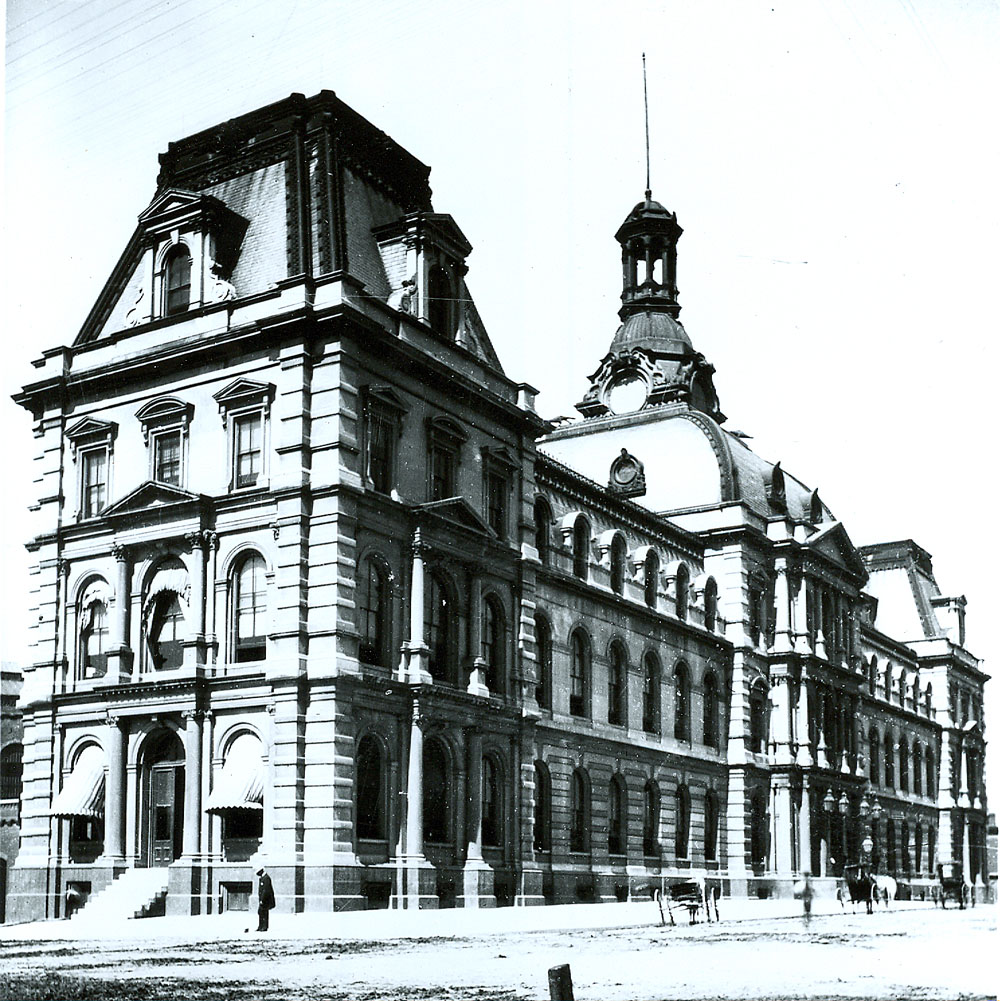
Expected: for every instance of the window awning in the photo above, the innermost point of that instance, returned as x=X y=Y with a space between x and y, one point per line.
x=240 y=785
x=82 y=794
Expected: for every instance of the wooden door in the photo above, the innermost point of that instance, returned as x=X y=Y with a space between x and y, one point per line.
x=166 y=813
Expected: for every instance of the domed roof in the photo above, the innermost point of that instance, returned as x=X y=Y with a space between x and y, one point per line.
x=658 y=332
x=648 y=217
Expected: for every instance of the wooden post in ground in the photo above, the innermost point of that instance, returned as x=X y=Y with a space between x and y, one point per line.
x=560 y=983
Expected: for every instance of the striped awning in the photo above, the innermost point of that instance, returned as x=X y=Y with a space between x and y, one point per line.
x=82 y=794
x=240 y=784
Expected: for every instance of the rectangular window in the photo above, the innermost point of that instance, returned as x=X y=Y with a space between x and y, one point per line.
x=381 y=450
x=248 y=449
x=167 y=458
x=94 y=482
x=442 y=472
x=496 y=502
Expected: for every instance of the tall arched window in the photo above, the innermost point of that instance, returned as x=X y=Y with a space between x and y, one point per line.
x=543 y=527
x=617 y=673
x=651 y=578
x=94 y=640
x=494 y=644
x=492 y=804
x=437 y=793
x=918 y=769
x=682 y=584
x=904 y=766
x=651 y=694
x=873 y=675
x=682 y=703
x=873 y=750
x=711 y=604
x=710 y=712
x=918 y=849
x=929 y=701
x=758 y=832
x=682 y=821
x=439 y=627
x=711 y=826
x=579 y=673
x=579 y=831
x=617 y=813
x=439 y=301
x=931 y=784
x=177 y=281
x=650 y=819
x=250 y=610
x=581 y=548
x=618 y=556
x=370 y=790
x=904 y=842
x=11 y=771
x=890 y=762
x=167 y=632
x=931 y=847
x=543 y=808
x=543 y=662
x=901 y=687
x=375 y=613
x=891 y=845
x=887 y=682
x=758 y=719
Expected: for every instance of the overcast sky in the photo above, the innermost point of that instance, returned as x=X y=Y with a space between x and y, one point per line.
x=834 y=163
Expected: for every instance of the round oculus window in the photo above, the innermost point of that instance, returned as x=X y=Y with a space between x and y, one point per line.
x=627 y=393
x=625 y=470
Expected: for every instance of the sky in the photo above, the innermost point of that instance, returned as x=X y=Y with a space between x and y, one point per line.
x=834 y=164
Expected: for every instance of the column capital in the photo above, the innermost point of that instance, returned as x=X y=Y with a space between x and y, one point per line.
x=113 y=719
x=210 y=539
x=119 y=551
x=198 y=715
x=63 y=566
x=196 y=540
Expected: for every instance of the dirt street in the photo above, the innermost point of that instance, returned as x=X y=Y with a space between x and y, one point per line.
x=919 y=953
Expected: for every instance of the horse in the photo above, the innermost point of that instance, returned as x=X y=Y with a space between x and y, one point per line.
x=885 y=889
x=861 y=885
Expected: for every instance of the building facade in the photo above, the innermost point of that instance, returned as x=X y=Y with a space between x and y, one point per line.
x=316 y=585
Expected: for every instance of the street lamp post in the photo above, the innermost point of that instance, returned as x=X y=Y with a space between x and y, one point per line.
x=843 y=806
x=829 y=802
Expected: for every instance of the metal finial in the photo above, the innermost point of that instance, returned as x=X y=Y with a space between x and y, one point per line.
x=645 y=99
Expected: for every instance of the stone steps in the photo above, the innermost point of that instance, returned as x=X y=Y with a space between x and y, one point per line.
x=136 y=893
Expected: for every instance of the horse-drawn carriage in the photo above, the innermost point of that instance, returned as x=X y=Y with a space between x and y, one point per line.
x=953 y=885
x=860 y=885
x=692 y=895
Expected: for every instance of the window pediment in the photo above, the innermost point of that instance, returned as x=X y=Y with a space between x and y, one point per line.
x=177 y=210
x=384 y=396
x=166 y=410
x=244 y=393
x=499 y=457
x=91 y=431
x=445 y=431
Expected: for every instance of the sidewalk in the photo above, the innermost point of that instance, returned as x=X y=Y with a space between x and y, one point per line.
x=379 y=925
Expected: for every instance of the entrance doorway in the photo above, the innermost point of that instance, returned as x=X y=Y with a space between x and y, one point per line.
x=163 y=827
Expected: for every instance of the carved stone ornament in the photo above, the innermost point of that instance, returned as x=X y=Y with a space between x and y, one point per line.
x=135 y=314
x=219 y=289
x=627 y=476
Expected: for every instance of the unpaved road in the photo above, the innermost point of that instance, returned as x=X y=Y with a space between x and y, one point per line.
x=903 y=954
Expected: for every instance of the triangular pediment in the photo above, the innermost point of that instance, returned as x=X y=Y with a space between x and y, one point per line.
x=243 y=390
x=92 y=427
x=835 y=544
x=149 y=495
x=457 y=510
x=169 y=202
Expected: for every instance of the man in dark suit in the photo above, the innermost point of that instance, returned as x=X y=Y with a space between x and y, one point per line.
x=265 y=899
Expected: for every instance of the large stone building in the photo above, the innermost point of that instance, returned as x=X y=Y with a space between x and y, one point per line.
x=315 y=584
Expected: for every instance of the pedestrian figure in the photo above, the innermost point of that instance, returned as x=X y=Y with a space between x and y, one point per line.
x=265 y=899
x=804 y=891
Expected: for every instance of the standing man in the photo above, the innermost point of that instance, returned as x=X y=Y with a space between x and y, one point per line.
x=265 y=899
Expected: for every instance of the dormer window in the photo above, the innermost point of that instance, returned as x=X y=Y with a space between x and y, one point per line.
x=177 y=281
x=439 y=301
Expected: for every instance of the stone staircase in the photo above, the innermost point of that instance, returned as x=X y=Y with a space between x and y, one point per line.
x=136 y=893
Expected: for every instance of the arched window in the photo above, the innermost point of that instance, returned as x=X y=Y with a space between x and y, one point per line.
x=928 y=701
x=651 y=578
x=543 y=662
x=543 y=527
x=250 y=610
x=439 y=627
x=758 y=832
x=581 y=548
x=873 y=675
x=579 y=831
x=901 y=687
x=918 y=768
x=711 y=604
x=370 y=790
x=931 y=846
x=492 y=804
x=494 y=641
x=918 y=849
x=543 y=808
x=931 y=784
x=579 y=673
x=651 y=694
x=887 y=682
x=758 y=719
x=651 y=819
x=710 y=712
x=11 y=771
x=904 y=841
x=617 y=814
x=167 y=632
x=618 y=556
x=439 y=301
x=904 y=766
x=617 y=673
x=177 y=281
x=683 y=585
x=682 y=821
x=375 y=612
x=891 y=846
x=682 y=703
x=711 y=826
x=890 y=763
x=873 y=746
x=437 y=793
x=94 y=640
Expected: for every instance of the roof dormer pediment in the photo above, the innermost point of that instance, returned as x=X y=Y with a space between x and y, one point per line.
x=176 y=208
x=835 y=544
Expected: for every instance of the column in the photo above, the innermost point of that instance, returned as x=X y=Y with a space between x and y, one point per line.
x=415 y=789
x=114 y=794
x=416 y=649
x=782 y=618
x=212 y=541
x=192 y=783
x=821 y=697
x=63 y=621
x=803 y=756
x=805 y=830
x=477 y=674
x=119 y=654
x=474 y=798
x=781 y=721
x=801 y=613
x=963 y=788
